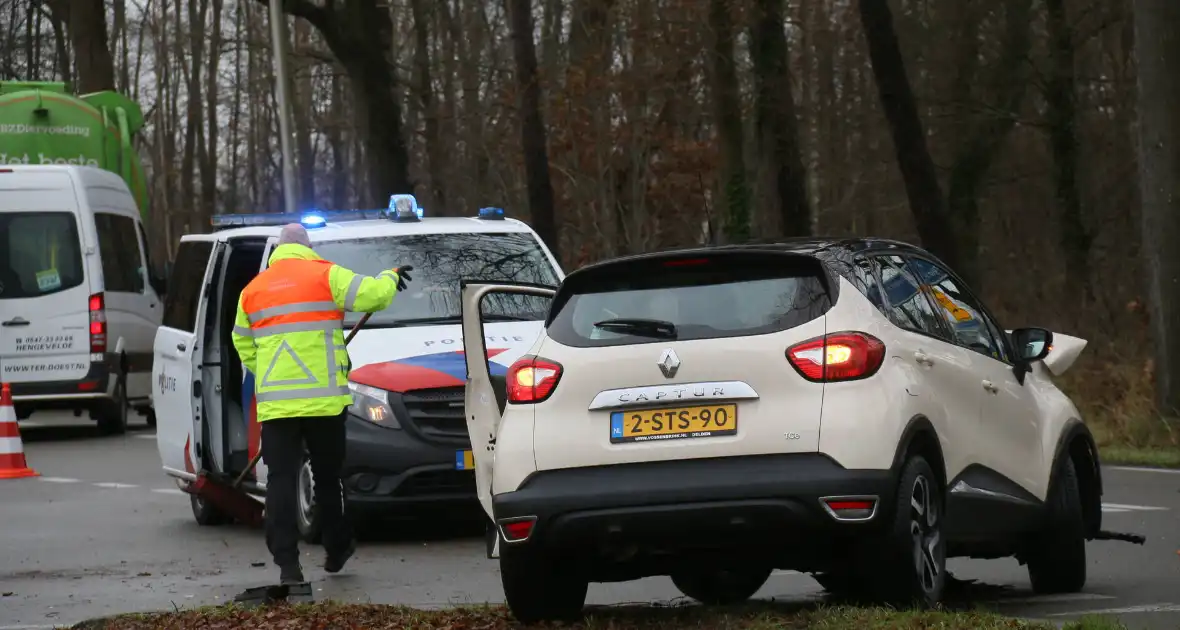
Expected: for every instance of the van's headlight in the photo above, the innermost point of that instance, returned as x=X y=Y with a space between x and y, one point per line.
x=372 y=404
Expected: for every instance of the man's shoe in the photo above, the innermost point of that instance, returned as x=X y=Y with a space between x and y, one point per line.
x=291 y=574
x=333 y=563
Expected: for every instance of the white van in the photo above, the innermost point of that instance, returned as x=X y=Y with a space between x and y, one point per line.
x=79 y=302
x=408 y=450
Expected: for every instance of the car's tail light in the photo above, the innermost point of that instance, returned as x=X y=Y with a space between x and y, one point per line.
x=842 y=356
x=98 y=324
x=850 y=508
x=532 y=379
x=518 y=529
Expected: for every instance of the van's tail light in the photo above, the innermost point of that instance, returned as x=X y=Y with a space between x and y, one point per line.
x=98 y=324
x=532 y=379
x=842 y=356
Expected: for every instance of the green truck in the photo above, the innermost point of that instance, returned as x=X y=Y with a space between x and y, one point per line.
x=42 y=123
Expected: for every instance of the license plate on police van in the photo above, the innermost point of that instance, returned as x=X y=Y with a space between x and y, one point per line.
x=464 y=460
x=673 y=423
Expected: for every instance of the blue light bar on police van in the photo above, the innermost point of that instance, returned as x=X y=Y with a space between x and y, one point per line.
x=310 y=219
x=491 y=214
x=404 y=208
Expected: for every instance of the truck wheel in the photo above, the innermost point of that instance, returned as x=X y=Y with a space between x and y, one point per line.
x=205 y=513
x=536 y=589
x=112 y=414
x=309 y=516
x=150 y=417
x=1057 y=560
x=721 y=587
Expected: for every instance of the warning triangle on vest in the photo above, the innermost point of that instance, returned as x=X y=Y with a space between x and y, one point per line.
x=285 y=350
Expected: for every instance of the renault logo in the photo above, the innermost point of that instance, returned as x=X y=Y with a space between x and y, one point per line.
x=669 y=363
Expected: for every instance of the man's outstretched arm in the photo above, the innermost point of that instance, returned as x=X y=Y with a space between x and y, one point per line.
x=365 y=294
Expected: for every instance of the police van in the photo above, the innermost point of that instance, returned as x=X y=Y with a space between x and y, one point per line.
x=408 y=446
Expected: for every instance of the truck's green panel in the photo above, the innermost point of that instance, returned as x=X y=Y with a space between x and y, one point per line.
x=41 y=123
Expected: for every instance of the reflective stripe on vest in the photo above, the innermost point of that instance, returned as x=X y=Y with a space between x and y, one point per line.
x=272 y=312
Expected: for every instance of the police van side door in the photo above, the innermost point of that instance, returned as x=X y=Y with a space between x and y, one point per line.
x=175 y=367
x=480 y=403
x=254 y=431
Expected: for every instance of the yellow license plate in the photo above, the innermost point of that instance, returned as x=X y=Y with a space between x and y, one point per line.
x=675 y=423
x=464 y=460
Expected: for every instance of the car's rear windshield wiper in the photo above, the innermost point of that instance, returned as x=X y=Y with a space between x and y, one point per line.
x=639 y=327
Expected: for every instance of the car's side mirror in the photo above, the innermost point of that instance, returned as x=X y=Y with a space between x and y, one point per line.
x=1031 y=344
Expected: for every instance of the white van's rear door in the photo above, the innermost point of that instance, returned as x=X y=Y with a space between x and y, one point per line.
x=44 y=286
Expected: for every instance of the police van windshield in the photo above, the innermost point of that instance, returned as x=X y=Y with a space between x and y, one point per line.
x=440 y=261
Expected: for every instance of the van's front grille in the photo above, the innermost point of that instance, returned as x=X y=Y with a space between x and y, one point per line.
x=438 y=414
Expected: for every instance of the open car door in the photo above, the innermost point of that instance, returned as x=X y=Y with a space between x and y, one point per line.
x=483 y=400
x=180 y=419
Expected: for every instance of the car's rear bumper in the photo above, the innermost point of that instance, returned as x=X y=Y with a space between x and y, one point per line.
x=627 y=521
x=386 y=471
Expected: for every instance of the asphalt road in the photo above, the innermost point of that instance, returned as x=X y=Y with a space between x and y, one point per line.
x=103 y=531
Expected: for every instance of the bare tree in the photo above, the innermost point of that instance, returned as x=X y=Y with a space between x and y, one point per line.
x=1157 y=50
x=777 y=122
x=532 y=127
x=87 y=27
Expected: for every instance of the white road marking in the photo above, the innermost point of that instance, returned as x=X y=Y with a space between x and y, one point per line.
x=149 y=436
x=1166 y=471
x=1149 y=608
x=112 y=484
x=1122 y=507
x=168 y=491
x=56 y=480
x=1052 y=599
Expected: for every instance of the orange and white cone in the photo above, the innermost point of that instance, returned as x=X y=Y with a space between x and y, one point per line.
x=12 y=449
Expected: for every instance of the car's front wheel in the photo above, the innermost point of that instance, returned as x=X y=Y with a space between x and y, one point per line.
x=721 y=587
x=536 y=589
x=309 y=515
x=1057 y=557
x=206 y=513
x=914 y=567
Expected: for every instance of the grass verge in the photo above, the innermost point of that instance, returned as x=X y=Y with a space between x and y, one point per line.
x=759 y=616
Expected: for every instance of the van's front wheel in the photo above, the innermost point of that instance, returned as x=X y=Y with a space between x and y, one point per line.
x=309 y=515
x=112 y=414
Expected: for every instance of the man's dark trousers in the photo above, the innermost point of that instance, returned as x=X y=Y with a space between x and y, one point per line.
x=282 y=450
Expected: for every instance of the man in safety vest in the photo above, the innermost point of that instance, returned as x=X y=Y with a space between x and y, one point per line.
x=289 y=333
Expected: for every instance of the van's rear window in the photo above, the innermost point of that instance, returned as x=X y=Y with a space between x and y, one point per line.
x=653 y=301
x=39 y=254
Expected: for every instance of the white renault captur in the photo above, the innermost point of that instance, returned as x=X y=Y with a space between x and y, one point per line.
x=845 y=408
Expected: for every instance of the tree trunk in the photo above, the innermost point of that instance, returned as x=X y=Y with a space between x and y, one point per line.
x=909 y=137
x=532 y=126
x=778 y=125
x=977 y=152
x=88 y=33
x=1061 y=103
x=422 y=11
x=1157 y=48
x=358 y=33
x=727 y=115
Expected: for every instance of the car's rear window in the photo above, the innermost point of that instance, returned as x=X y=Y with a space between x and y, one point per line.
x=39 y=254
x=701 y=298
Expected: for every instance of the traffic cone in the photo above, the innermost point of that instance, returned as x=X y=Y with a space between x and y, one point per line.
x=12 y=450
